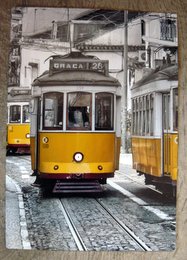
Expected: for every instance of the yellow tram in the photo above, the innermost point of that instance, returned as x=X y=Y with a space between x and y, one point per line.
x=155 y=128
x=18 y=127
x=75 y=124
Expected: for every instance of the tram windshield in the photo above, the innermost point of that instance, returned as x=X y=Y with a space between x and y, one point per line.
x=15 y=114
x=26 y=117
x=104 y=111
x=79 y=111
x=53 y=111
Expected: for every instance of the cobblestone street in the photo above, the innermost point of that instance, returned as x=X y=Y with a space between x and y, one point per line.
x=48 y=228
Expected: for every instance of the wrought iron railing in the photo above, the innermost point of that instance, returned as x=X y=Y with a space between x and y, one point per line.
x=168 y=30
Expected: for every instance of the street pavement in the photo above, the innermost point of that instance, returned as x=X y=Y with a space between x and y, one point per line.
x=15 y=222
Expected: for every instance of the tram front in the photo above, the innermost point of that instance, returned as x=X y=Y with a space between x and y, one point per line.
x=75 y=125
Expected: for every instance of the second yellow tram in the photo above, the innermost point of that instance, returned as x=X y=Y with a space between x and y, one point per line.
x=75 y=124
x=155 y=128
x=18 y=127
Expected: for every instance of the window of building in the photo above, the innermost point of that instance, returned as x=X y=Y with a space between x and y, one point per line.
x=143 y=29
x=79 y=112
x=63 y=32
x=34 y=70
x=168 y=29
x=84 y=31
x=104 y=111
x=15 y=114
x=53 y=111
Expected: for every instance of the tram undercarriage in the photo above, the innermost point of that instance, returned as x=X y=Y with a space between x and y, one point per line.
x=73 y=183
x=163 y=184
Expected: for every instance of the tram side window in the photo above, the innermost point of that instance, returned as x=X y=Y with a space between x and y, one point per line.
x=79 y=111
x=150 y=107
x=136 y=113
x=104 y=111
x=53 y=111
x=136 y=116
x=166 y=111
x=142 y=113
x=133 y=116
x=175 y=109
x=26 y=117
x=15 y=114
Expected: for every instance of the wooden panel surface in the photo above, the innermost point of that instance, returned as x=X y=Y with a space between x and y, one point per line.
x=177 y=6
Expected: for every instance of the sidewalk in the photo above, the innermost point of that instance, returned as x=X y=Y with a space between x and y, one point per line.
x=126 y=158
x=15 y=224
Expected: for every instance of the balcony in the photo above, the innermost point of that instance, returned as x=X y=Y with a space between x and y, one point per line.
x=168 y=30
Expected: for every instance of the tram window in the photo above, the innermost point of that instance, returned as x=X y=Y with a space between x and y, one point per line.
x=142 y=108
x=175 y=109
x=79 y=111
x=133 y=116
x=144 y=116
x=26 y=117
x=147 y=113
x=151 y=121
x=137 y=113
x=166 y=106
x=53 y=111
x=104 y=111
x=15 y=114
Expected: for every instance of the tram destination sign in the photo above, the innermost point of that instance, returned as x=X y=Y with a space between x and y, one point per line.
x=59 y=65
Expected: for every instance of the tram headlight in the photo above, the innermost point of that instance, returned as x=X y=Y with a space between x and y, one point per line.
x=78 y=157
x=27 y=135
x=45 y=140
x=176 y=140
x=56 y=167
x=100 y=167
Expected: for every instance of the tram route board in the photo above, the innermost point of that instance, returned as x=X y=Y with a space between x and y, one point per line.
x=59 y=65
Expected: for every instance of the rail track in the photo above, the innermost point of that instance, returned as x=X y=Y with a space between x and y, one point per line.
x=77 y=237
x=78 y=240
x=125 y=228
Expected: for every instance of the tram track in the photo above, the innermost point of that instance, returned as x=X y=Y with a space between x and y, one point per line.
x=92 y=220
x=135 y=238
x=77 y=237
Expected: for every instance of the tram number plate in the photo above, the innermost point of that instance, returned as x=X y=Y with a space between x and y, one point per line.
x=64 y=65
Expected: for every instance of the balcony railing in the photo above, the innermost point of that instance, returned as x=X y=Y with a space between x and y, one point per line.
x=168 y=30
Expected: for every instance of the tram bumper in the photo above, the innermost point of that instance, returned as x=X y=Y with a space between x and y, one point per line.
x=76 y=176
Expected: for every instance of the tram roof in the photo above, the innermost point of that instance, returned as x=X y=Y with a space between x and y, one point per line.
x=73 y=55
x=77 y=75
x=75 y=78
x=169 y=73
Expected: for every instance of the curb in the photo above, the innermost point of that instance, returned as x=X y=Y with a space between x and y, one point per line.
x=23 y=224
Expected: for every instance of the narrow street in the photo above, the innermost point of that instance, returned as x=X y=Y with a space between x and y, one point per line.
x=127 y=215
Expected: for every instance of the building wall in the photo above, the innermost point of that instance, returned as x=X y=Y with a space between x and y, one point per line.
x=32 y=18
x=30 y=54
x=116 y=36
